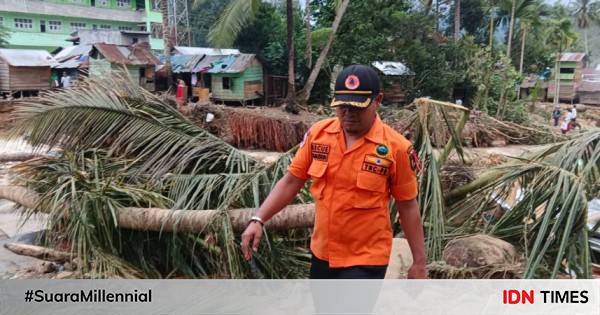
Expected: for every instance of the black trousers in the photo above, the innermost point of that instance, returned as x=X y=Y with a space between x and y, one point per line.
x=319 y=269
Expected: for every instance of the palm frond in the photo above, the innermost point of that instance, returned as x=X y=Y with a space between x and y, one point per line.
x=237 y=15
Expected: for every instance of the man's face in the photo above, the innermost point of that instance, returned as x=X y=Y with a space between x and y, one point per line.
x=357 y=121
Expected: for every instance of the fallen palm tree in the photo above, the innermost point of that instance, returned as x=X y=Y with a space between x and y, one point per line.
x=124 y=149
x=183 y=221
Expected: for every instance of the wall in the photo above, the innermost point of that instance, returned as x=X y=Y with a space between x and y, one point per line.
x=241 y=89
x=50 y=39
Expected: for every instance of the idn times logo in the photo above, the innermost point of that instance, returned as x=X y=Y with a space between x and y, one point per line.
x=514 y=296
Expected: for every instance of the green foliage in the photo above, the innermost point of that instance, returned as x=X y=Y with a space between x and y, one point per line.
x=202 y=17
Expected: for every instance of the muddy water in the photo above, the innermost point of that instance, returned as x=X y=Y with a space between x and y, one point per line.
x=12 y=228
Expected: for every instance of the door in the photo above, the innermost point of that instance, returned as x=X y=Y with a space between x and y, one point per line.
x=42 y=26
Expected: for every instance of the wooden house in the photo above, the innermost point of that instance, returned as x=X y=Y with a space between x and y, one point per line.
x=23 y=70
x=571 y=67
x=396 y=79
x=237 y=78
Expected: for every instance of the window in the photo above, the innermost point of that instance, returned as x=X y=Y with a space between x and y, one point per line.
x=123 y=3
x=125 y=28
x=77 y=25
x=24 y=23
x=54 y=26
x=227 y=83
x=103 y=3
x=105 y=27
x=1 y=21
x=156 y=30
x=567 y=70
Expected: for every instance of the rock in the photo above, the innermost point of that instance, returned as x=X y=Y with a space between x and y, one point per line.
x=65 y=275
x=479 y=250
x=400 y=259
x=46 y=267
x=69 y=266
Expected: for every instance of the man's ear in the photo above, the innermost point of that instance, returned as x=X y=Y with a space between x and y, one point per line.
x=378 y=99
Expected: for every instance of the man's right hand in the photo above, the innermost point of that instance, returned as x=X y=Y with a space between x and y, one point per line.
x=251 y=237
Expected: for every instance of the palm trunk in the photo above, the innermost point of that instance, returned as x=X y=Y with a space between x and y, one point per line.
x=310 y=82
x=556 y=79
x=585 y=41
x=456 y=19
x=491 y=44
x=511 y=28
x=308 y=36
x=291 y=105
x=523 y=37
x=186 y=221
x=164 y=11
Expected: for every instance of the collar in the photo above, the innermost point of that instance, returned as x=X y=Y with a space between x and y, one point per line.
x=375 y=134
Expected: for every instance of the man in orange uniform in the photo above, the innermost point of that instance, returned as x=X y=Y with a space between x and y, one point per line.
x=355 y=163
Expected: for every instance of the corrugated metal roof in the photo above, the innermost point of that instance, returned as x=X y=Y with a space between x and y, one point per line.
x=205 y=51
x=73 y=51
x=183 y=63
x=232 y=63
x=206 y=63
x=574 y=57
x=27 y=57
x=127 y=55
x=392 y=68
x=589 y=86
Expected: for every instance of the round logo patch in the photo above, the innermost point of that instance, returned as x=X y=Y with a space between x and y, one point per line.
x=382 y=150
x=352 y=82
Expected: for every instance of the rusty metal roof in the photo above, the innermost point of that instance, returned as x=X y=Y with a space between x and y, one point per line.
x=232 y=63
x=589 y=86
x=127 y=55
x=573 y=57
x=27 y=57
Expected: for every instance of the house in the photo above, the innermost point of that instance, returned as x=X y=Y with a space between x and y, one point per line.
x=589 y=88
x=531 y=82
x=35 y=24
x=137 y=60
x=397 y=81
x=98 y=51
x=24 y=70
x=237 y=78
x=571 y=66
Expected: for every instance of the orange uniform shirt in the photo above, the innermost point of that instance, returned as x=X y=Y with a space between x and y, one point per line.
x=352 y=187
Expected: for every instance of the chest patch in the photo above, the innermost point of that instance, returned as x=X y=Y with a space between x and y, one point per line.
x=377 y=165
x=320 y=152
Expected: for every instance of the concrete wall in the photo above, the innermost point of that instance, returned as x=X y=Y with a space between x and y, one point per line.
x=58 y=10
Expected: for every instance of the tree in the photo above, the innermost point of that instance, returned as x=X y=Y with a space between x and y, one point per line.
x=291 y=105
x=561 y=36
x=308 y=53
x=305 y=94
x=586 y=13
x=530 y=18
x=168 y=41
x=456 y=20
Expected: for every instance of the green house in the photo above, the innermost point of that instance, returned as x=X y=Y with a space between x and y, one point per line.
x=36 y=24
x=237 y=78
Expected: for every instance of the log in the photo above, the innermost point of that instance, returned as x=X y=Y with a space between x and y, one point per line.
x=17 y=157
x=39 y=252
x=192 y=221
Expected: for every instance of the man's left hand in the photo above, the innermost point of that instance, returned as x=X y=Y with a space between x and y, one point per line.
x=417 y=271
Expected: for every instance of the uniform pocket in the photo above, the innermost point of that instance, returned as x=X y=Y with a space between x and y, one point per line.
x=317 y=171
x=371 y=190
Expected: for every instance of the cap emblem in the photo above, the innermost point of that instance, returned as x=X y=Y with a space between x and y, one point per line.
x=352 y=82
